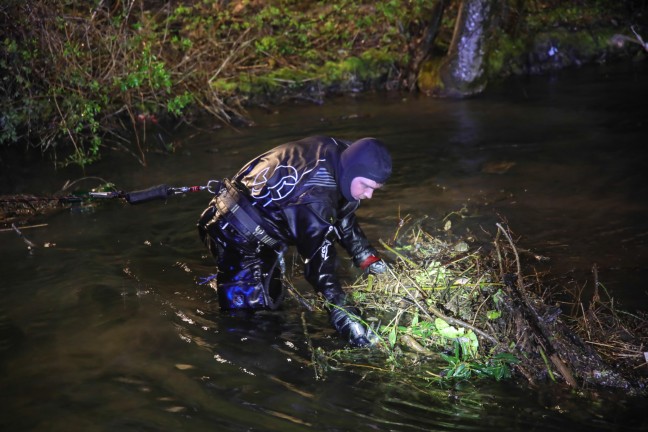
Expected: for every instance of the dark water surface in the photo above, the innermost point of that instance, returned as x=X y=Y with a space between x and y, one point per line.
x=108 y=329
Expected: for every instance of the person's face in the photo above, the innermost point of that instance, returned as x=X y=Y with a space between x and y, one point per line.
x=363 y=188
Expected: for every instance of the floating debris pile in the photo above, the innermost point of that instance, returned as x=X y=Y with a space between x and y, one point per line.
x=17 y=208
x=24 y=209
x=474 y=309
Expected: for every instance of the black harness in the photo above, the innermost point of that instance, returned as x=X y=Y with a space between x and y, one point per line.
x=236 y=208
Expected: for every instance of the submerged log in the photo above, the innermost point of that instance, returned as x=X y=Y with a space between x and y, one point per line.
x=579 y=364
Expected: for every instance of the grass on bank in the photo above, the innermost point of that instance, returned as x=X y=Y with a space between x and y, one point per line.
x=80 y=77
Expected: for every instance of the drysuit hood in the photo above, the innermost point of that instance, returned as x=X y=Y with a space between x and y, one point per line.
x=366 y=157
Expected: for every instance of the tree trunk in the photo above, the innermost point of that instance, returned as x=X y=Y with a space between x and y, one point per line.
x=462 y=70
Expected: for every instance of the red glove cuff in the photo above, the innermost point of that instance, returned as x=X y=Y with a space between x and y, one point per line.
x=368 y=261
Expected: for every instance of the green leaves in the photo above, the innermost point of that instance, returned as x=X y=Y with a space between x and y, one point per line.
x=467 y=340
x=497 y=367
x=177 y=104
x=392 y=337
x=493 y=314
x=147 y=71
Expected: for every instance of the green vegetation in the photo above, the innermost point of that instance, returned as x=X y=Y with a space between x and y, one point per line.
x=436 y=300
x=77 y=75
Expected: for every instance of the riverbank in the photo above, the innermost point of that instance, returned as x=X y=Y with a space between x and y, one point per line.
x=80 y=80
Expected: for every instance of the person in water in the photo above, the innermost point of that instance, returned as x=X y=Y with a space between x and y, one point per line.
x=303 y=193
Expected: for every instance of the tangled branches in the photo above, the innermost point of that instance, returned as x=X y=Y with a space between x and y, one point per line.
x=440 y=297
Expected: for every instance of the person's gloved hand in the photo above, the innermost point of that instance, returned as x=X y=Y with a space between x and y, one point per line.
x=346 y=320
x=373 y=265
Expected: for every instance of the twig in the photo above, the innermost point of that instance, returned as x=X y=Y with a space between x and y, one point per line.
x=499 y=254
x=239 y=46
x=30 y=245
x=641 y=41
x=68 y=184
x=298 y=297
x=556 y=360
x=401 y=223
x=517 y=257
x=546 y=362
x=595 y=297
x=399 y=255
x=309 y=343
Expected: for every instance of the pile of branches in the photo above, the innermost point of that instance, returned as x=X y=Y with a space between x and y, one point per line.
x=477 y=310
x=25 y=209
x=17 y=208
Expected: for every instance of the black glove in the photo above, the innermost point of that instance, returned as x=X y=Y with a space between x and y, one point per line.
x=346 y=320
x=376 y=267
x=373 y=265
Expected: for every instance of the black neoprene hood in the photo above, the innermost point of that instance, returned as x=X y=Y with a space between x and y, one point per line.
x=366 y=157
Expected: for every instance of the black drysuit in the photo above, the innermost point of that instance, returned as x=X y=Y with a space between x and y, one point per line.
x=289 y=195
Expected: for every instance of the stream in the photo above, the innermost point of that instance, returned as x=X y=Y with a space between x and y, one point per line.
x=104 y=326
